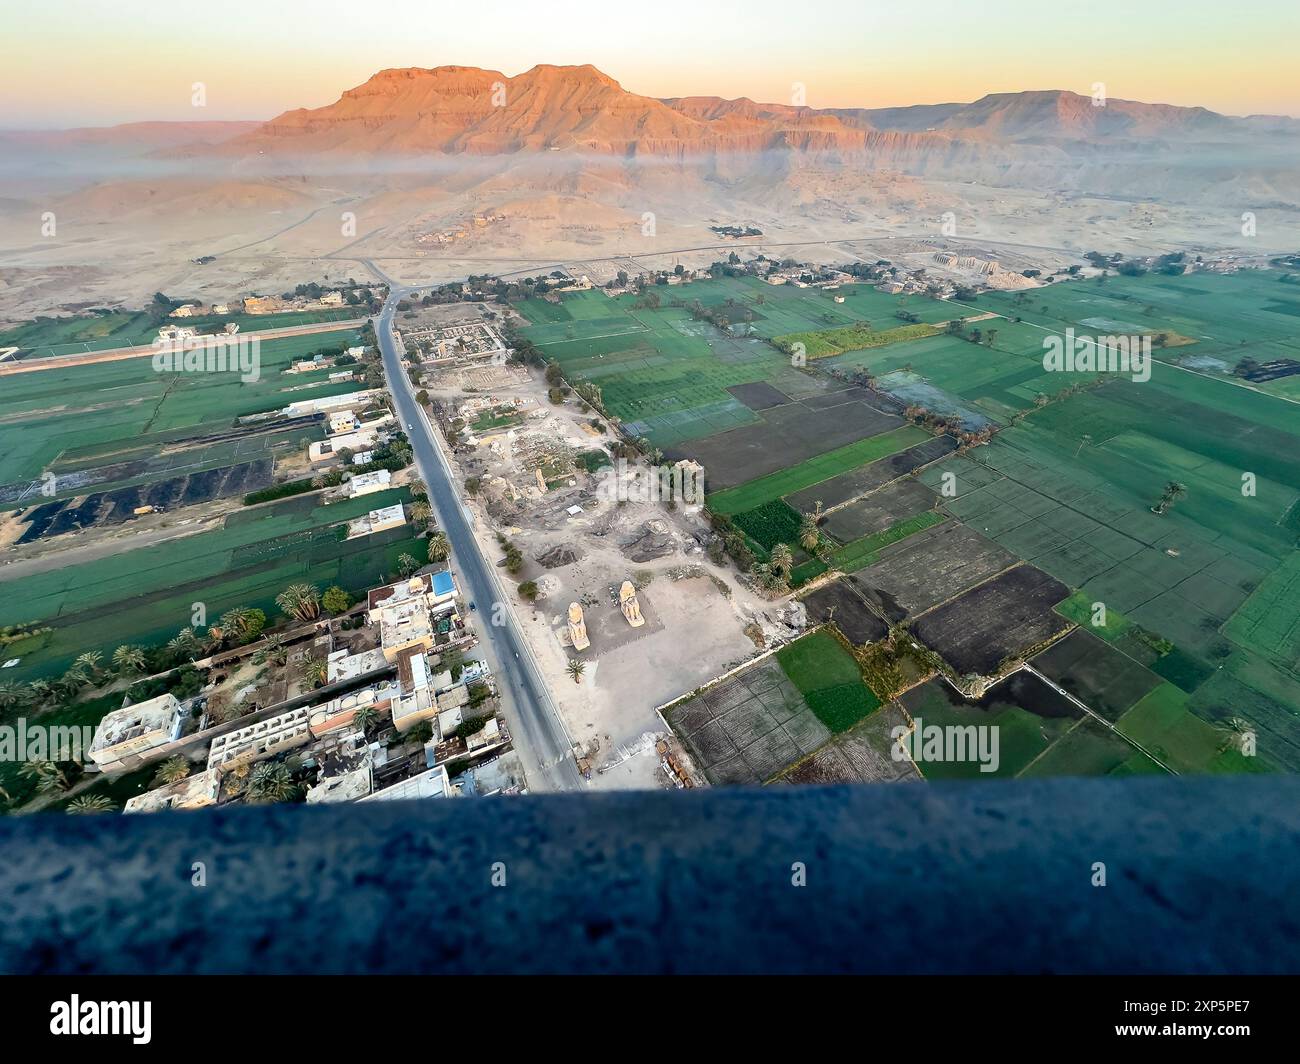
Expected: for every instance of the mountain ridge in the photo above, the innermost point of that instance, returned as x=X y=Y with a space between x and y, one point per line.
x=470 y=110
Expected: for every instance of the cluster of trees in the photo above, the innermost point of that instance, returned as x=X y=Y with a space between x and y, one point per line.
x=732 y=541
x=723 y=316
x=301 y=603
x=975 y=335
x=514 y=557
x=1041 y=399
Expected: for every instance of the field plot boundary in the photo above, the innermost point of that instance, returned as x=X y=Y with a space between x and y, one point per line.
x=814 y=470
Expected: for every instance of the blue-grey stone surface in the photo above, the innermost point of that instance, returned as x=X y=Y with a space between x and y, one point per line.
x=1201 y=876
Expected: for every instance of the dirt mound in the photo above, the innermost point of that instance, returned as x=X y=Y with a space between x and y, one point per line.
x=560 y=555
x=655 y=540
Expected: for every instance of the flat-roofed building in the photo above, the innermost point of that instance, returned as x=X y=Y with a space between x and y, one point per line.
x=449 y=720
x=402 y=614
x=431 y=783
x=415 y=700
x=124 y=736
x=442 y=588
x=327 y=450
x=193 y=792
x=342 y=665
x=260 y=741
x=369 y=483
x=345 y=769
x=453 y=698
x=387 y=517
x=339 y=713
x=324 y=403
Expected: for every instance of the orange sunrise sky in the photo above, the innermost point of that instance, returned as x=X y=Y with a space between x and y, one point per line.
x=74 y=62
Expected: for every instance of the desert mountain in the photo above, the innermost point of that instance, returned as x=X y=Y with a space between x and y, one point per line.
x=465 y=110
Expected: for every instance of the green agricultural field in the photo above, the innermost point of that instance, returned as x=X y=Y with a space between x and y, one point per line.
x=814 y=470
x=1091 y=749
x=863 y=552
x=1203 y=593
x=1250 y=312
x=1269 y=620
x=122 y=408
x=1022 y=736
x=666 y=374
x=145 y=595
x=45 y=337
x=1162 y=724
x=772 y=523
x=829 y=678
x=827 y=342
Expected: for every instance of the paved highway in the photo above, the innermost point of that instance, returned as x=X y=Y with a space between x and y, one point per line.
x=539 y=734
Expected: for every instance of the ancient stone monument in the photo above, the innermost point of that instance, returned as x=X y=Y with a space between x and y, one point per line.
x=628 y=604
x=577 y=628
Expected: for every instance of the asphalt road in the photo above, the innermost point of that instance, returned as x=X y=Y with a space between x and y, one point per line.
x=535 y=726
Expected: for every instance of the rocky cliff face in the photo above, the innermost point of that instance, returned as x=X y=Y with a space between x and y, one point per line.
x=465 y=110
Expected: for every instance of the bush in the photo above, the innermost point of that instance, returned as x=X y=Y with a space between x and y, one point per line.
x=279 y=491
x=336 y=600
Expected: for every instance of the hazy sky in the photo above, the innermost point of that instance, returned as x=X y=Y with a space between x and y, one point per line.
x=91 y=62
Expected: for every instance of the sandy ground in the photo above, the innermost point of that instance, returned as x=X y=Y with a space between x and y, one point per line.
x=118 y=242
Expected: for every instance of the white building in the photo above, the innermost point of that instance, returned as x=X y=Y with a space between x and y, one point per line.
x=369 y=483
x=125 y=735
x=415 y=703
x=193 y=792
x=260 y=741
x=324 y=403
x=431 y=783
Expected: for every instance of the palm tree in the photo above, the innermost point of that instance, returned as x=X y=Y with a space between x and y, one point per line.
x=1172 y=493
x=365 y=717
x=270 y=782
x=273 y=650
x=89 y=662
x=13 y=695
x=406 y=565
x=128 y=659
x=421 y=512
x=575 y=669
x=91 y=803
x=74 y=680
x=300 y=601
x=782 y=561
x=184 y=643
x=47 y=775
x=314 y=671
x=40 y=691
x=809 y=534
x=173 y=770
x=438 y=547
x=237 y=622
